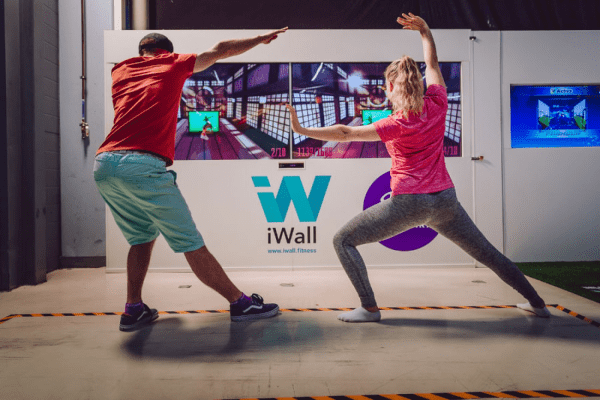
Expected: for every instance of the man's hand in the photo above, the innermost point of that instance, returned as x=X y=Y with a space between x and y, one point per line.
x=413 y=22
x=230 y=48
x=269 y=37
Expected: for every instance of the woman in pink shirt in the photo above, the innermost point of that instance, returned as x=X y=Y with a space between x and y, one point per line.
x=422 y=191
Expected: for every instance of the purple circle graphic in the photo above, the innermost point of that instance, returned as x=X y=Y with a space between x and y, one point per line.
x=409 y=240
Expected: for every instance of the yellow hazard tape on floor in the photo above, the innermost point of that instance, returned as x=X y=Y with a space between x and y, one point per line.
x=419 y=308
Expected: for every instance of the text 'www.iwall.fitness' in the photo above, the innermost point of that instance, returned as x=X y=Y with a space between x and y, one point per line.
x=292 y=250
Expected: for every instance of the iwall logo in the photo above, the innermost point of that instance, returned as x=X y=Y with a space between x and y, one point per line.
x=409 y=240
x=275 y=207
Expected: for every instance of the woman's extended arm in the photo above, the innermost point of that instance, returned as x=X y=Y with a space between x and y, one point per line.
x=433 y=75
x=335 y=133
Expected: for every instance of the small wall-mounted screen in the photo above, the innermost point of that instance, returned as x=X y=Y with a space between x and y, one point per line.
x=205 y=122
x=370 y=116
x=555 y=116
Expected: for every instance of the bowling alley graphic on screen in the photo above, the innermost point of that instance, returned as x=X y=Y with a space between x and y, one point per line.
x=237 y=111
x=325 y=94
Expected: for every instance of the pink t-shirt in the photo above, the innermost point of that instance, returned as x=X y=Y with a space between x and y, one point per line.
x=416 y=145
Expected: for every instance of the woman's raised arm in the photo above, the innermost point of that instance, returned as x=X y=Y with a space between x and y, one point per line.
x=433 y=74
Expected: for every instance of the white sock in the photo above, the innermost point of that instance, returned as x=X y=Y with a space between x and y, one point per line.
x=540 y=312
x=360 y=315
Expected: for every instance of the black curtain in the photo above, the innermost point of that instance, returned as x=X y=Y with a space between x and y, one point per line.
x=375 y=14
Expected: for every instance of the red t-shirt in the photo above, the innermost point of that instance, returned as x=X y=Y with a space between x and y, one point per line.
x=146 y=92
x=416 y=145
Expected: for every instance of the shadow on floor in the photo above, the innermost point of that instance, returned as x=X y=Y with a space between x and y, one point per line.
x=171 y=338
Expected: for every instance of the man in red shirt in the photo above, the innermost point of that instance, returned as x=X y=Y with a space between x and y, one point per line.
x=131 y=175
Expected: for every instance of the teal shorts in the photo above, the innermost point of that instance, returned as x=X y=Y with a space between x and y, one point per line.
x=145 y=200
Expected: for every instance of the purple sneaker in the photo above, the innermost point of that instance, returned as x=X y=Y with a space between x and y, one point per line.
x=131 y=322
x=252 y=308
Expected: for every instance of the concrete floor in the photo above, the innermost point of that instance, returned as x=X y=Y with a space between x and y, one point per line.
x=205 y=356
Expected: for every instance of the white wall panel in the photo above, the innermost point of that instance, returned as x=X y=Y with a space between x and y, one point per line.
x=226 y=209
x=551 y=194
x=487 y=137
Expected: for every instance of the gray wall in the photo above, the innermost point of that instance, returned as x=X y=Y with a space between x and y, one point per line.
x=48 y=98
x=31 y=244
x=4 y=224
x=11 y=254
x=83 y=223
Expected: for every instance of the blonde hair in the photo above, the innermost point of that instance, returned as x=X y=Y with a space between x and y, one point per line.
x=407 y=94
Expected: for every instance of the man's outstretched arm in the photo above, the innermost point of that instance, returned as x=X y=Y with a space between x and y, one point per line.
x=230 y=48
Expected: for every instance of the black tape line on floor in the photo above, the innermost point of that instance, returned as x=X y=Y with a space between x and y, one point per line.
x=419 y=308
x=512 y=394
x=578 y=316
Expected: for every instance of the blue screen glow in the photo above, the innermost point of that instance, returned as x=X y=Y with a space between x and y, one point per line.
x=555 y=116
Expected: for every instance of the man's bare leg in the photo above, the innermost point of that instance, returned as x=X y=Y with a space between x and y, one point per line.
x=138 y=261
x=209 y=271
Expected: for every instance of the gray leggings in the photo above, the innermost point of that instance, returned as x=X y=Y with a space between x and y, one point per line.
x=440 y=211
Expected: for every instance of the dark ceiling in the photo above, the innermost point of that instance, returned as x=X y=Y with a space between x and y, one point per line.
x=375 y=14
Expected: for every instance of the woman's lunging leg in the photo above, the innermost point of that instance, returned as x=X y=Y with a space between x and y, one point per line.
x=452 y=221
x=377 y=223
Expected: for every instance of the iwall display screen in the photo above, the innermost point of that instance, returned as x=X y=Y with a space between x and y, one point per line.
x=235 y=111
x=353 y=94
x=555 y=116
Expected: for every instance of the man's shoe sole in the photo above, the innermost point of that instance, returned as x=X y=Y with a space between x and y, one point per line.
x=239 y=318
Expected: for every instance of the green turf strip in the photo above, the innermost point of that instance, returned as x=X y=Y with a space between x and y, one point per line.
x=570 y=276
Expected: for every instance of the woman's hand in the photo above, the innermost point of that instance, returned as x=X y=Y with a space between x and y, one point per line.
x=433 y=74
x=413 y=22
x=296 y=127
